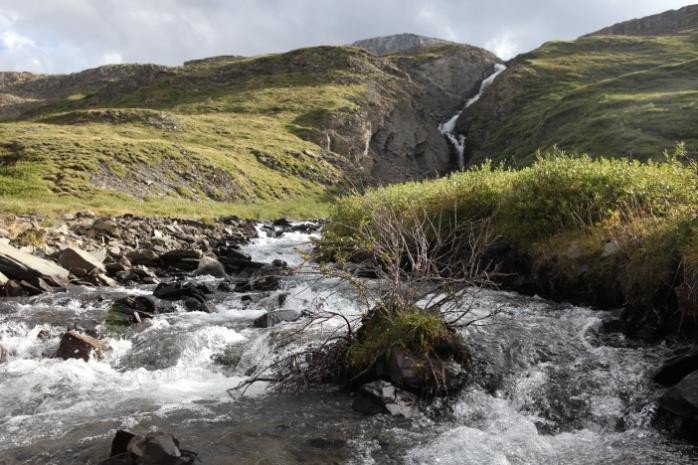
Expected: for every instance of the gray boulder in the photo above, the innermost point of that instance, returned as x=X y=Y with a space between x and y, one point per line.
x=210 y=267
x=274 y=318
x=19 y=265
x=80 y=262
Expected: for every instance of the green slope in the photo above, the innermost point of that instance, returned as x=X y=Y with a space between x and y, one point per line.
x=605 y=95
x=209 y=135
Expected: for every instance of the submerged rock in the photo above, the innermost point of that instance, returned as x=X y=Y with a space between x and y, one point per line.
x=675 y=369
x=80 y=346
x=156 y=448
x=274 y=318
x=382 y=397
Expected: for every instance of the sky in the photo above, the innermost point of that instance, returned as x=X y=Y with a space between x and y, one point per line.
x=59 y=36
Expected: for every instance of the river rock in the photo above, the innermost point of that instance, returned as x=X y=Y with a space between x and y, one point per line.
x=676 y=368
x=131 y=310
x=382 y=397
x=210 y=267
x=3 y=279
x=155 y=448
x=274 y=318
x=192 y=304
x=19 y=265
x=181 y=291
x=182 y=259
x=415 y=373
x=678 y=408
x=146 y=257
x=79 y=262
x=80 y=346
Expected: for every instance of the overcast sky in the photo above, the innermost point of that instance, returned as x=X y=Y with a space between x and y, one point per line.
x=69 y=35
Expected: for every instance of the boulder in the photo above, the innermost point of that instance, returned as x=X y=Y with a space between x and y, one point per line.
x=264 y=279
x=418 y=373
x=382 y=397
x=80 y=346
x=155 y=448
x=19 y=265
x=676 y=368
x=193 y=304
x=3 y=279
x=79 y=262
x=210 y=267
x=183 y=259
x=274 y=318
x=143 y=257
x=181 y=291
x=678 y=408
x=131 y=310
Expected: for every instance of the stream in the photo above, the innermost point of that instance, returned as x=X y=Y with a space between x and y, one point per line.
x=554 y=388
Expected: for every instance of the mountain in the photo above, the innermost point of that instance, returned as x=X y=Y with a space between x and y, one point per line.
x=628 y=90
x=678 y=21
x=398 y=43
x=231 y=129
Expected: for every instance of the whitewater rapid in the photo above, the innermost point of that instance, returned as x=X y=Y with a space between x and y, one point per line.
x=552 y=387
x=448 y=128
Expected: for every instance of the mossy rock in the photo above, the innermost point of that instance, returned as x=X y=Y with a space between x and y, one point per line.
x=413 y=349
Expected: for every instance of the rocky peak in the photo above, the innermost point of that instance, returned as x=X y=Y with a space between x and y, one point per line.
x=670 y=22
x=398 y=43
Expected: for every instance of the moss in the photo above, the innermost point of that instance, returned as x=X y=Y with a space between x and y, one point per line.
x=412 y=329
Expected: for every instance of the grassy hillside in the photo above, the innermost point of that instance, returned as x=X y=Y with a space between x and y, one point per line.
x=605 y=95
x=210 y=135
x=606 y=231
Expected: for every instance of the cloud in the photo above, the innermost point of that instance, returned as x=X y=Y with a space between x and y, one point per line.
x=69 y=35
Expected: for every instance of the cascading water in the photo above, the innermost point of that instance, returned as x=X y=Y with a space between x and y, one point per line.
x=448 y=128
x=551 y=388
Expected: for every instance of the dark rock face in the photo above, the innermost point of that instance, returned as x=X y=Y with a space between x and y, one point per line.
x=76 y=345
x=274 y=318
x=678 y=408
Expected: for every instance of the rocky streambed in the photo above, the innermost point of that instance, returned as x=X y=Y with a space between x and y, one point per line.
x=552 y=383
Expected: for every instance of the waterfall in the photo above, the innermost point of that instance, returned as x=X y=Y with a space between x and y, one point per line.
x=448 y=128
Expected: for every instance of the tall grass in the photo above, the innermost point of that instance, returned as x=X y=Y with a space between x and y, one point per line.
x=562 y=212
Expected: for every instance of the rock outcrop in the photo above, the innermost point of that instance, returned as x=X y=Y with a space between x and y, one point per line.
x=19 y=265
x=398 y=43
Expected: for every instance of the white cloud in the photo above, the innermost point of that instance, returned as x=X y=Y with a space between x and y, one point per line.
x=12 y=41
x=503 y=45
x=69 y=35
x=111 y=58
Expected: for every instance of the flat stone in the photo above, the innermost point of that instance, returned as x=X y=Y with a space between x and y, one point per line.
x=79 y=262
x=16 y=264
